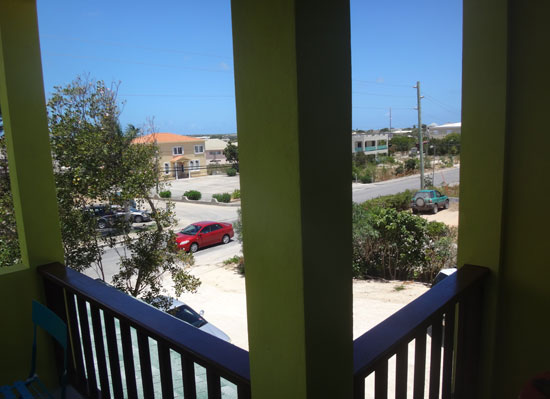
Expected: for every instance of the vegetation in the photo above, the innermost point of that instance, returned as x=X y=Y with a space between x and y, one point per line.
x=236 y=194
x=398 y=245
x=231 y=152
x=96 y=162
x=165 y=194
x=403 y=143
x=193 y=195
x=224 y=197
x=231 y=172
x=399 y=202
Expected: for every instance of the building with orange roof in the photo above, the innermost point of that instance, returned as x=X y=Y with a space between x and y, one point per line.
x=180 y=156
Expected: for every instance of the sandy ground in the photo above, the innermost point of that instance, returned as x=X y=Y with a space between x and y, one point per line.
x=447 y=216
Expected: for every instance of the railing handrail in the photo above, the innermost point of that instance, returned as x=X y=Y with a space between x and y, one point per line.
x=385 y=338
x=230 y=360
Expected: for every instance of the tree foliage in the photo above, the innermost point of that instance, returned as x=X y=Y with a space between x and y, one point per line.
x=96 y=162
x=398 y=245
x=402 y=143
x=231 y=152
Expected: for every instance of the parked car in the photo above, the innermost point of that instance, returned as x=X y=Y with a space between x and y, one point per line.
x=138 y=215
x=106 y=215
x=203 y=234
x=187 y=314
x=429 y=200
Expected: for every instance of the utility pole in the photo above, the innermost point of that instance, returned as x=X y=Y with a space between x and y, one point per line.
x=420 y=138
x=390 y=120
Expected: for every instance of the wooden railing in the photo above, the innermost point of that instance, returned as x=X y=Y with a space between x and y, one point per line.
x=124 y=348
x=449 y=317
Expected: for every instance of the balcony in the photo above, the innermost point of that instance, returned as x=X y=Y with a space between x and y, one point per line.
x=382 y=147
x=370 y=148
x=358 y=149
x=123 y=347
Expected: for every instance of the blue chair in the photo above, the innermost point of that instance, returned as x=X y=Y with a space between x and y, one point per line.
x=32 y=387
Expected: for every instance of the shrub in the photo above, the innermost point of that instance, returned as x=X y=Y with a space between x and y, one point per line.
x=399 y=245
x=165 y=194
x=412 y=164
x=193 y=195
x=236 y=194
x=224 y=197
x=399 y=170
x=231 y=172
x=215 y=169
x=400 y=201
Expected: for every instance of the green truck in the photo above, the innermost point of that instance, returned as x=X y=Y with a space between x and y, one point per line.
x=429 y=200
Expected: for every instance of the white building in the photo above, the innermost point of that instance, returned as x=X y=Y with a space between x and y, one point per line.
x=214 y=151
x=443 y=130
x=370 y=144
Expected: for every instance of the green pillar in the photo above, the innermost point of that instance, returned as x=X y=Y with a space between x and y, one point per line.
x=503 y=170
x=293 y=96
x=32 y=183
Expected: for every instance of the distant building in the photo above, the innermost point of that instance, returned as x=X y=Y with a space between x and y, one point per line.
x=443 y=130
x=370 y=144
x=180 y=156
x=214 y=151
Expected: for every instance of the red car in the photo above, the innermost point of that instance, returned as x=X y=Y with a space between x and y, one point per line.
x=203 y=234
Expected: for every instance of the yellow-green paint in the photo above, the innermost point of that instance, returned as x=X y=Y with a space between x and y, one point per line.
x=503 y=161
x=32 y=183
x=293 y=95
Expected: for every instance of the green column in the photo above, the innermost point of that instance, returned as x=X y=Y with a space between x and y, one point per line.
x=293 y=95
x=26 y=129
x=32 y=183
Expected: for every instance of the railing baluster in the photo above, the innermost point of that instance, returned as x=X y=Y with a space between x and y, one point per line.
x=468 y=346
x=435 y=359
x=214 y=384
x=128 y=356
x=165 y=371
x=100 y=353
x=381 y=380
x=114 y=360
x=359 y=387
x=401 y=369
x=77 y=372
x=87 y=344
x=243 y=391
x=145 y=363
x=448 y=346
x=419 y=365
x=188 y=375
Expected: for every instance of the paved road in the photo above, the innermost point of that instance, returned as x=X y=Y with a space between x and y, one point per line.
x=363 y=192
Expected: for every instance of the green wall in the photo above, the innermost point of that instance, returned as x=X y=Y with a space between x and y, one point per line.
x=293 y=96
x=504 y=162
x=32 y=183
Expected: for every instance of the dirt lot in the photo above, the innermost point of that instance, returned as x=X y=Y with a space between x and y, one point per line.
x=447 y=216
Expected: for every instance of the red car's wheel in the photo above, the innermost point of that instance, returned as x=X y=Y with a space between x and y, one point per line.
x=225 y=239
x=194 y=247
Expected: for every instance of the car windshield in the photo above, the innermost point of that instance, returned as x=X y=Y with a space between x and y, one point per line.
x=423 y=194
x=188 y=315
x=191 y=230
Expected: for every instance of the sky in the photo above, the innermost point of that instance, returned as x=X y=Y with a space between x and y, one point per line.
x=173 y=59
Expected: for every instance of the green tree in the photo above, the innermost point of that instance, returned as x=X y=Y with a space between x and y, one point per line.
x=231 y=152
x=96 y=162
x=402 y=143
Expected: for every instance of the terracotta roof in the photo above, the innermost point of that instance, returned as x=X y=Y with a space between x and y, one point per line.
x=179 y=158
x=164 y=138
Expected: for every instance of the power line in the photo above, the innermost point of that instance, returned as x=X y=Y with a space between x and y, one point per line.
x=381 y=83
x=380 y=94
x=177 y=95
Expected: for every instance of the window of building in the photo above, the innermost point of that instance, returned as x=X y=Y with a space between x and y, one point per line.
x=166 y=168
x=199 y=149
x=177 y=150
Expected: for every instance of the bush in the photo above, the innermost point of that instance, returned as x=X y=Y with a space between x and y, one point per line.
x=399 y=170
x=236 y=194
x=412 y=164
x=216 y=169
x=193 y=195
x=225 y=197
x=399 y=245
x=165 y=194
x=399 y=202
x=231 y=172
